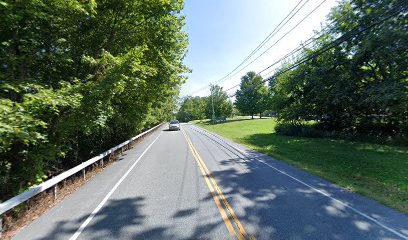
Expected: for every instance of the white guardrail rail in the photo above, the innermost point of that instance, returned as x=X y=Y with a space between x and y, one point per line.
x=12 y=202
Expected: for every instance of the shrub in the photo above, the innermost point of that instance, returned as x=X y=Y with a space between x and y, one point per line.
x=299 y=130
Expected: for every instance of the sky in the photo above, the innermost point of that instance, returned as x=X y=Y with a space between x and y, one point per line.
x=222 y=33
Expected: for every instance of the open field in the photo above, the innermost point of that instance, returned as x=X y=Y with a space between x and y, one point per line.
x=376 y=171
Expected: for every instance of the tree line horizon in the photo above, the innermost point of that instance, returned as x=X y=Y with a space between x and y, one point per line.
x=357 y=87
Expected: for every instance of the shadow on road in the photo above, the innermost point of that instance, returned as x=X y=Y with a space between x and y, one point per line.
x=110 y=221
x=116 y=217
x=268 y=203
x=168 y=130
x=274 y=206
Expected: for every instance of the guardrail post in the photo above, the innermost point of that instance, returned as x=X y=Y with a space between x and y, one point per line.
x=102 y=162
x=55 y=191
x=83 y=173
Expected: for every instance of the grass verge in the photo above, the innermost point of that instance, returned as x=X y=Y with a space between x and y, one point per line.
x=377 y=171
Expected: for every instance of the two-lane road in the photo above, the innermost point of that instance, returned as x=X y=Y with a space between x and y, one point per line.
x=192 y=184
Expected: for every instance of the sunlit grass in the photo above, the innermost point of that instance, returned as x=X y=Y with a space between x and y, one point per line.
x=377 y=171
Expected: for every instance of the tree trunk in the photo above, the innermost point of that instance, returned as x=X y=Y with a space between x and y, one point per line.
x=252 y=115
x=260 y=115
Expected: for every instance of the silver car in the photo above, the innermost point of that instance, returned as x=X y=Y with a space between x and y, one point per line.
x=174 y=125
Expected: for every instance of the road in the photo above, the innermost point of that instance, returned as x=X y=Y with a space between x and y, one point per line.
x=193 y=184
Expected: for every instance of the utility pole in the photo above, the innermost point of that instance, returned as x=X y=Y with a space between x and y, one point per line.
x=230 y=101
x=212 y=103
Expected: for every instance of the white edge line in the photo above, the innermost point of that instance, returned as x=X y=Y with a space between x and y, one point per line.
x=96 y=210
x=323 y=193
x=16 y=200
x=339 y=201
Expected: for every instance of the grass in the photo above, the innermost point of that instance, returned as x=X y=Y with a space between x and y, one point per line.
x=377 y=171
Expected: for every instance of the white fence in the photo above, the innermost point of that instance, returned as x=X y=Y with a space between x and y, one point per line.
x=53 y=182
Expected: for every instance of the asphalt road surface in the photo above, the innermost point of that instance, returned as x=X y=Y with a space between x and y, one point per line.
x=193 y=184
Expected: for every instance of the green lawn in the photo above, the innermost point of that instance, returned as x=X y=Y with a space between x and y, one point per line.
x=376 y=171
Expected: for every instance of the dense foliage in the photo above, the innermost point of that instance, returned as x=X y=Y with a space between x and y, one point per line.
x=361 y=85
x=197 y=108
x=192 y=108
x=77 y=77
x=220 y=101
x=252 y=97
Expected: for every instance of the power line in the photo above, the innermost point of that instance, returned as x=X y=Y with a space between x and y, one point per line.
x=297 y=49
x=332 y=44
x=300 y=47
x=279 y=39
x=272 y=34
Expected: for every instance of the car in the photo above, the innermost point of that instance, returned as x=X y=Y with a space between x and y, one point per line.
x=174 y=125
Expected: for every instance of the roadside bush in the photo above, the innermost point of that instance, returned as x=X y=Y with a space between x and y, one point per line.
x=318 y=131
x=299 y=130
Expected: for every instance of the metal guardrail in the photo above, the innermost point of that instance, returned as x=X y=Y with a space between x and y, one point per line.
x=53 y=182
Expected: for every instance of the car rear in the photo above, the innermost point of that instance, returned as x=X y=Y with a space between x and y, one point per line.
x=174 y=125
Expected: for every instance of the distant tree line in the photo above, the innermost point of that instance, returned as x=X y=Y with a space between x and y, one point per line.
x=78 y=77
x=197 y=108
x=357 y=87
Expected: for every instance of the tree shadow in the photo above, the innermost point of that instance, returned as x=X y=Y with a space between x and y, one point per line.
x=278 y=208
x=111 y=220
x=115 y=218
x=124 y=219
x=272 y=204
x=372 y=170
x=184 y=212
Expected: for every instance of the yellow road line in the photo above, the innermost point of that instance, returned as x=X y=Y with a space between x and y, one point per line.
x=224 y=215
x=224 y=200
x=242 y=233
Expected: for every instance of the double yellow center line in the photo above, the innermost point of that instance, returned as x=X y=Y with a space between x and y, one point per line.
x=222 y=204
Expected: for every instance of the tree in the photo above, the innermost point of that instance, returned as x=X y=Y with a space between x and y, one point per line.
x=252 y=96
x=218 y=99
x=81 y=76
x=192 y=108
x=358 y=86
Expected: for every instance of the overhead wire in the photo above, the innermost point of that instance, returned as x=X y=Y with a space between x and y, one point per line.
x=300 y=47
x=332 y=44
x=270 y=35
x=276 y=42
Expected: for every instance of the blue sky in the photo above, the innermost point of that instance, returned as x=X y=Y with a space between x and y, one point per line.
x=223 y=32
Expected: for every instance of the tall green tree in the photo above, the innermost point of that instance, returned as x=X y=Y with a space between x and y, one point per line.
x=358 y=86
x=252 y=97
x=77 y=77
x=192 y=108
x=219 y=101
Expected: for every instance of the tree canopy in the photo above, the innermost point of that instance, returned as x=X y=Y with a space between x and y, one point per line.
x=358 y=86
x=77 y=77
x=219 y=99
x=197 y=108
x=252 y=95
x=192 y=108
